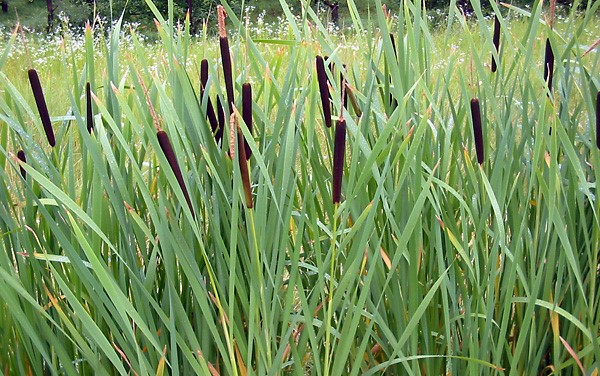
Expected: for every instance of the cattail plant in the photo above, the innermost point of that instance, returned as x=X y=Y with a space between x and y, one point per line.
x=225 y=56
x=598 y=119
x=477 y=131
x=167 y=148
x=38 y=95
x=496 y=42
x=90 y=113
x=22 y=158
x=339 y=152
x=247 y=113
x=324 y=90
x=548 y=65
x=210 y=111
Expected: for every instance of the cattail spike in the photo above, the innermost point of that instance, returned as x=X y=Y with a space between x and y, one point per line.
x=339 y=153
x=22 y=158
x=496 y=42
x=167 y=148
x=221 y=15
x=548 y=65
x=243 y=161
x=247 y=113
x=324 y=90
x=210 y=110
x=344 y=87
x=90 y=114
x=38 y=95
x=598 y=119
x=203 y=74
x=477 y=130
x=225 y=57
x=393 y=39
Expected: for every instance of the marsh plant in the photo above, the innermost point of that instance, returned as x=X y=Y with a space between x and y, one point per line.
x=185 y=209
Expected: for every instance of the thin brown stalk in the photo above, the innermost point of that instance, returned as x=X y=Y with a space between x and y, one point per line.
x=167 y=148
x=324 y=90
x=339 y=152
x=40 y=101
x=477 y=129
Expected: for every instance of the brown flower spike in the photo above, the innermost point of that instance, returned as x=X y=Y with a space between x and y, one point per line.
x=210 y=110
x=339 y=153
x=225 y=56
x=324 y=90
x=247 y=114
x=89 y=113
x=167 y=148
x=22 y=158
x=38 y=95
x=477 y=131
x=548 y=66
x=496 y=42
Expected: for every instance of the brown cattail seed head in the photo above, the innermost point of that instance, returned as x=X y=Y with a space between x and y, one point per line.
x=38 y=95
x=324 y=90
x=227 y=70
x=89 y=114
x=393 y=39
x=22 y=158
x=167 y=148
x=496 y=42
x=477 y=130
x=247 y=113
x=242 y=159
x=344 y=87
x=598 y=119
x=203 y=74
x=339 y=153
x=548 y=65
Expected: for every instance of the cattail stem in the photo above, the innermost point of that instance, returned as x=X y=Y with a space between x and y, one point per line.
x=344 y=87
x=477 y=130
x=167 y=148
x=496 y=42
x=548 y=65
x=210 y=110
x=339 y=153
x=22 y=158
x=324 y=90
x=598 y=119
x=90 y=113
x=247 y=113
x=38 y=95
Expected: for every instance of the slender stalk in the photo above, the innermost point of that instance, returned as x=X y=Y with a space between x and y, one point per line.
x=329 y=318
x=38 y=95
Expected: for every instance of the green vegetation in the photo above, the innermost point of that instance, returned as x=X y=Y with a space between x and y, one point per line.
x=447 y=222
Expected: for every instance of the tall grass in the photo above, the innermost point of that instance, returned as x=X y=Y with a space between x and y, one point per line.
x=139 y=245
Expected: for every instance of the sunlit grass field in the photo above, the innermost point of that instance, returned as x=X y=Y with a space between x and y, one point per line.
x=445 y=222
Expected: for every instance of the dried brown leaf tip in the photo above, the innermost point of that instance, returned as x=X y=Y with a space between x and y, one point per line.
x=323 y=89
x=89 y=111
x=22 y=158
x=38 y=95
x=496 y=41
x=548 y=65
x=167 y=148
x=339 y=153
x=247 y=113
x=477 y=130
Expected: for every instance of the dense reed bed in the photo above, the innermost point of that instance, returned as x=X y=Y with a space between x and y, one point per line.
x=292 y=205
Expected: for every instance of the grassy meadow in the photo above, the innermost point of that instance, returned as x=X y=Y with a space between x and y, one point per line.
x=291 y=198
